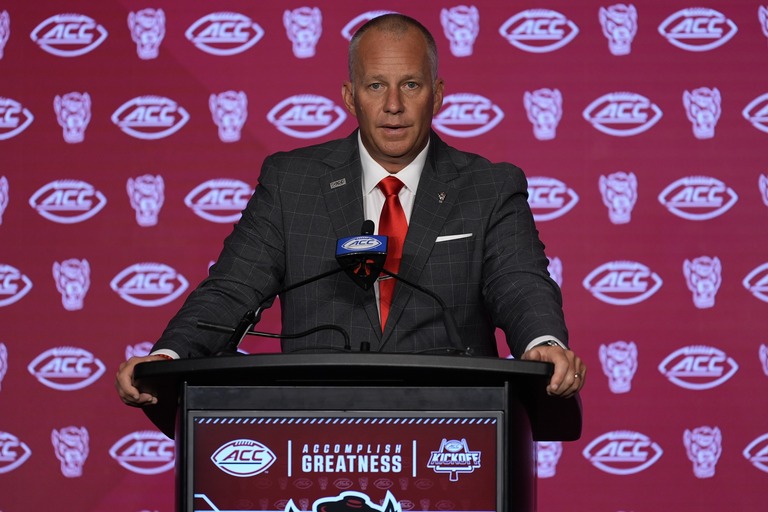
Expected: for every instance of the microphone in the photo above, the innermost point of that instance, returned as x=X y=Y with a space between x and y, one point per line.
x=362 y=256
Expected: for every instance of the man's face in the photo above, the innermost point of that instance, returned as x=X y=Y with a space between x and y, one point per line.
x=392 y=96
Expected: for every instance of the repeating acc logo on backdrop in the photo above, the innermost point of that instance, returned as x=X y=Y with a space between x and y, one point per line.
x=243 y=458
x=467 y=115
x=698 y=197
x=358 y=21
x=698 y=29
x=756 y=282
x=224 y=33
x=756 y=452
x=219 y=200
x=550 y=198
x=539 y=30
x=756 y=112
x=622 y=283
x=69 y=35
x=13 y=285
x=149 y=284
x=13 y=452
x=66 y=368
x=306 y=116
x=698 y=367
x=622 y=452
x=144 y=452
x=14 y=118
x=67 y=201
x=150 y=117
x=622 y=114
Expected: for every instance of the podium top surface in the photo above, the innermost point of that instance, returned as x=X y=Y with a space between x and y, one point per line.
x=551 y=418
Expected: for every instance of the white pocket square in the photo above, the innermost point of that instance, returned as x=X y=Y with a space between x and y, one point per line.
x=448 y=238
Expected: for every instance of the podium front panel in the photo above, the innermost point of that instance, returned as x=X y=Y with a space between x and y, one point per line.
x=350 y=460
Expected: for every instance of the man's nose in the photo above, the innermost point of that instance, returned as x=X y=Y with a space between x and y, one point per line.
x=394 y=101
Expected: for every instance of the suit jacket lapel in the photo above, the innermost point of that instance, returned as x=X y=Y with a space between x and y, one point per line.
x=342 y=190
x=434 y=200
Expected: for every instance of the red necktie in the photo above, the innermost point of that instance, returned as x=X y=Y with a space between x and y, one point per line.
x=393 y=224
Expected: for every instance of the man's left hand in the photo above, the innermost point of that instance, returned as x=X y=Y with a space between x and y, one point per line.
x=568 y=377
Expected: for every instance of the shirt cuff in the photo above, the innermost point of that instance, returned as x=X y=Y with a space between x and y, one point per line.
x=165 y=352
x=543 y=339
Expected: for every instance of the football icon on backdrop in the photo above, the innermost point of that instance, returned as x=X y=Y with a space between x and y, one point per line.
x=539 y=30
x=69 y=35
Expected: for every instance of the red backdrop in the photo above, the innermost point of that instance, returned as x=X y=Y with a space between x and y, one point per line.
x=642 y=128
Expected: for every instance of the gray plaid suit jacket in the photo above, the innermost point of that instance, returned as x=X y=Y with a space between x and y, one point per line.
x=493 y=275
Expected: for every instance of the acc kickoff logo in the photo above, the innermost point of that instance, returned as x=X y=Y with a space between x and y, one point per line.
x=13 y=285
x=306 y=116
x=150 y=117
x=454 y=457
x=622 y=283
x=144 y=452
x=698 y=367
x=539 y=30
x=622 y=452
x=224 y=33
x=14 y=118
x=467 y=115
x=69 y=35
x=67 y=201
x=550 y=198
x=66 y=368
x=698 y=29
x=622 y=114
x=756 y=282
x=219 y=200
x=243 y=458
x=698 y=198
x=149 y=284
x=756 y=112
x=13 y=452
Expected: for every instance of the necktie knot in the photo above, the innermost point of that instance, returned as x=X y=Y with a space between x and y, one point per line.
x=390 y=186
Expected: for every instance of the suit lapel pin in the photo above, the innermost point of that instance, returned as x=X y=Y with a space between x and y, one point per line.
x=441 y=197
x=338 y=183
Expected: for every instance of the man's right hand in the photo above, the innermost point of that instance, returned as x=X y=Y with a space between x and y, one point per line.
x=124 y=382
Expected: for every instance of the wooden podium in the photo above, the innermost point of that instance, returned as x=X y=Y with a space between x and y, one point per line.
x=356 y=431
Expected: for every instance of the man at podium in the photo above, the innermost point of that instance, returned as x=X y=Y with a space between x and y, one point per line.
x=458 y=226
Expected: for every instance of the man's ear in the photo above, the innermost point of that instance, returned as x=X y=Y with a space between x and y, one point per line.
x=349 y=98
x=437 y=96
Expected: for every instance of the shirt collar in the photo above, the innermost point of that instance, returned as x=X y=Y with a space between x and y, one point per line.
x=373 y=172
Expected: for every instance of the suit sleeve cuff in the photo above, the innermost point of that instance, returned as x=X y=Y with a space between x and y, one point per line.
x=165 y=352
x=541 y=340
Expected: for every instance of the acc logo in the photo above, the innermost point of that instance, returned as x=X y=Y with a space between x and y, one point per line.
x=358 y=21
x=622 y=114
x=149 y=284
x=467 y=115
x=14 y=118
x=150 y=117
x=13 y=285
x=756 y=282
x=306 y=116
x=622 y=452
x=69 y=35
x=756 y=113
x=698 y=367
x=622 y=283
x=697 y=29
x=219 y=200
x=13 y=452
x=66 y=368
x=144 y=452
x=67 y=201
x=698 y=198
x=550 y=198
x=539 y=30
x=243 y=458
x=224 y=33
x=361 y=242
x=756 y=453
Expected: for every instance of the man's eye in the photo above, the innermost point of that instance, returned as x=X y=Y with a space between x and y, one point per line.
x=375 y=86
x=411 y=85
